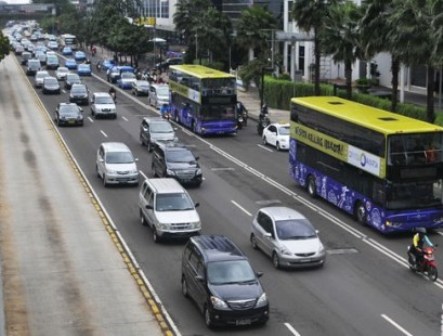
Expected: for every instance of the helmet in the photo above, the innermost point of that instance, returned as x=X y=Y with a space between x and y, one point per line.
x=420 y=230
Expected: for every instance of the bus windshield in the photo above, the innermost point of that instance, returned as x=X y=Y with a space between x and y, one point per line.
x=413 y=195
x=415 y=149
x=217 y=112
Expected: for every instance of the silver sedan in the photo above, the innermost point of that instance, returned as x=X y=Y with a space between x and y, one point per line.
x=287 y=237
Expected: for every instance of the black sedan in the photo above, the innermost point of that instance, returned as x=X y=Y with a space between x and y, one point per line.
x=68 y=114
x=79 y=94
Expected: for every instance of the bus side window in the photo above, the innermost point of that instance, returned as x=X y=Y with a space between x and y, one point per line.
x=294 y=115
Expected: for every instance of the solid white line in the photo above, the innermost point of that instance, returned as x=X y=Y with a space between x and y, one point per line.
x=291 y=329
x=265 y=148
x=222 y=168
x=90 y=119
x=440 y=233
x=124 y=118
x=395 y=324
x=143 y=174
x=241 y=208
x=104 y=134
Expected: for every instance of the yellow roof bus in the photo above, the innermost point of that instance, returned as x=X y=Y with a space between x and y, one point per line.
x=383 y=168
x=203 y=99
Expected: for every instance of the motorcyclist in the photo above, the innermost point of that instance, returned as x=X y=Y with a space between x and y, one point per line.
x=165 y=110
x=263 y=112
x=418 y=243
x=113 y=93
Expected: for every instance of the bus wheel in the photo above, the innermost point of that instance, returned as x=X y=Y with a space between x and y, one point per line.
x=312 y=188
x=194 y=127
x=360 y=213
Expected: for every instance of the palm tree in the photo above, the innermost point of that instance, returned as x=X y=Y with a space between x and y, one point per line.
x=416 y=38
x=340 y=37
x=310 y=16
x=375 y=26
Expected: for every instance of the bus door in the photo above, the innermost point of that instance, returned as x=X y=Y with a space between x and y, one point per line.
x=187 y=114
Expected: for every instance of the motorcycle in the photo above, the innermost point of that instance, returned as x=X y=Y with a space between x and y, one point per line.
x=167 y=116
x=428 y=264
x=242 y=115
x=114 y=96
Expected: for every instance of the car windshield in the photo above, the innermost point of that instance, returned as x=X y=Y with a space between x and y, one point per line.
x=119 y=157
x=283 y=130
x=161 y=127
x=230 y=272
x=163 y=91
x=84 y=67
x=180 y=156
x=127 y=75
x=51 y=81
x=143 y=85
x=62 y=70
x=104 y=100
x=291 y=229
x=78 y=89
x=173 y=202
x=69 y=110
x=72 y=77
x=42 y=75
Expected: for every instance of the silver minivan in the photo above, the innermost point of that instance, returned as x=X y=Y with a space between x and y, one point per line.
x=168 y=209
x=115 y=164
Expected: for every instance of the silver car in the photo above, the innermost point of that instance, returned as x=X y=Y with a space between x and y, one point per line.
x=287 y=237
x=115 y=164
x=39 y=76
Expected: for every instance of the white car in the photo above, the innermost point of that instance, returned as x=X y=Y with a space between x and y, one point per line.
x=102 y=104
x=39 y=76
x=158 y=95
x=287 y=237
x=115 y=164
x=276 y=135
x=61 y=73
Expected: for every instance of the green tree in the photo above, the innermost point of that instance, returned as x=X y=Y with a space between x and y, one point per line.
x=4 y=46
x=415 y=38
x=340 y=37
x=376 y=25
x=310 y=16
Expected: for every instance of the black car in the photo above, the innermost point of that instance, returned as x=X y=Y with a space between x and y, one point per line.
x=71 y=79
x=79 y=94
x=68 y=114
x=171 y=159
x=218 y=277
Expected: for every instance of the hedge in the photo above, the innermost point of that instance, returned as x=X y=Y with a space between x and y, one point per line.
x=278 y=93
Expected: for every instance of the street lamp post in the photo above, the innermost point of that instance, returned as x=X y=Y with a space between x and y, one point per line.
x=262 y=84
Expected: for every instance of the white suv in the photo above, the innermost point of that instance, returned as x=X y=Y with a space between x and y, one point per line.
x=102 y=104
x=115 y=164
x=168 y=209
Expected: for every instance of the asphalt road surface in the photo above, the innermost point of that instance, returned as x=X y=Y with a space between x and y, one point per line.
x=365 y=288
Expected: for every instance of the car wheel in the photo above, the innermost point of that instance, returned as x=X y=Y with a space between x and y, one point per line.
x=92 y=113
x=275 y=260
x=97 y=172
x=184 y=287
x=208 y=318
x=155 y=235
x=149 y=145
x=360 y=213
x=264 y=141
x=105 y=184
x=312 y=188
x=253 y=241
x=142 y=219
x=58 y=122
x=141 y=140
x=277 y=145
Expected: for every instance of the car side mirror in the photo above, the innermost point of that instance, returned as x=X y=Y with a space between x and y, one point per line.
x=259 y=274
x=101 y=160
x=197 y=158
x=148 y=206
x=135 y=159
x=197 y=204
x=267 y=235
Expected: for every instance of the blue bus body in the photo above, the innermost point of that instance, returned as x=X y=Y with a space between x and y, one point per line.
x=340 y=195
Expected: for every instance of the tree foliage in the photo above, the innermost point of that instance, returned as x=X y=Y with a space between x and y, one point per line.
x=4 y=46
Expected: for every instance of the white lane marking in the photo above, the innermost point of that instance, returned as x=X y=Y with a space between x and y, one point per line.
x=241 y=208
x=124 y=118
x=291 y=329
x=90 y=119
x=265 y=148
x=64 y=91
x=222 y=168
x=184 y=130
x=395 y=324
x=104 y=134
x=440 y=233
x=143 y=174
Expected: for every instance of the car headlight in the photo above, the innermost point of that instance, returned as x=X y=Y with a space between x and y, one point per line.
x=170 y=172
x=195 y=225
x=134 y=171
x=321 y=249
x=199 y=172
x=218 y=303
x=285 y=251
x=164 y=226
x=262 y=301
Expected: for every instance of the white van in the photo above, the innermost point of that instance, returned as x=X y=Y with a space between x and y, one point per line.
x=168 y=209
x=158 y=95
x=52 y=61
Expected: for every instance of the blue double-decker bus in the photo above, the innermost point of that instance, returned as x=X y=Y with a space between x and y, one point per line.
x=384 y=168
x=203 y=99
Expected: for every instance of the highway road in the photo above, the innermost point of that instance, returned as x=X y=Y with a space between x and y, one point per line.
x=365 y=288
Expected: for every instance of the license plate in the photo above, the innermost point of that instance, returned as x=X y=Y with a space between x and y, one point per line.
x=243 y=322
x=71 y=121
x=304 y=260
